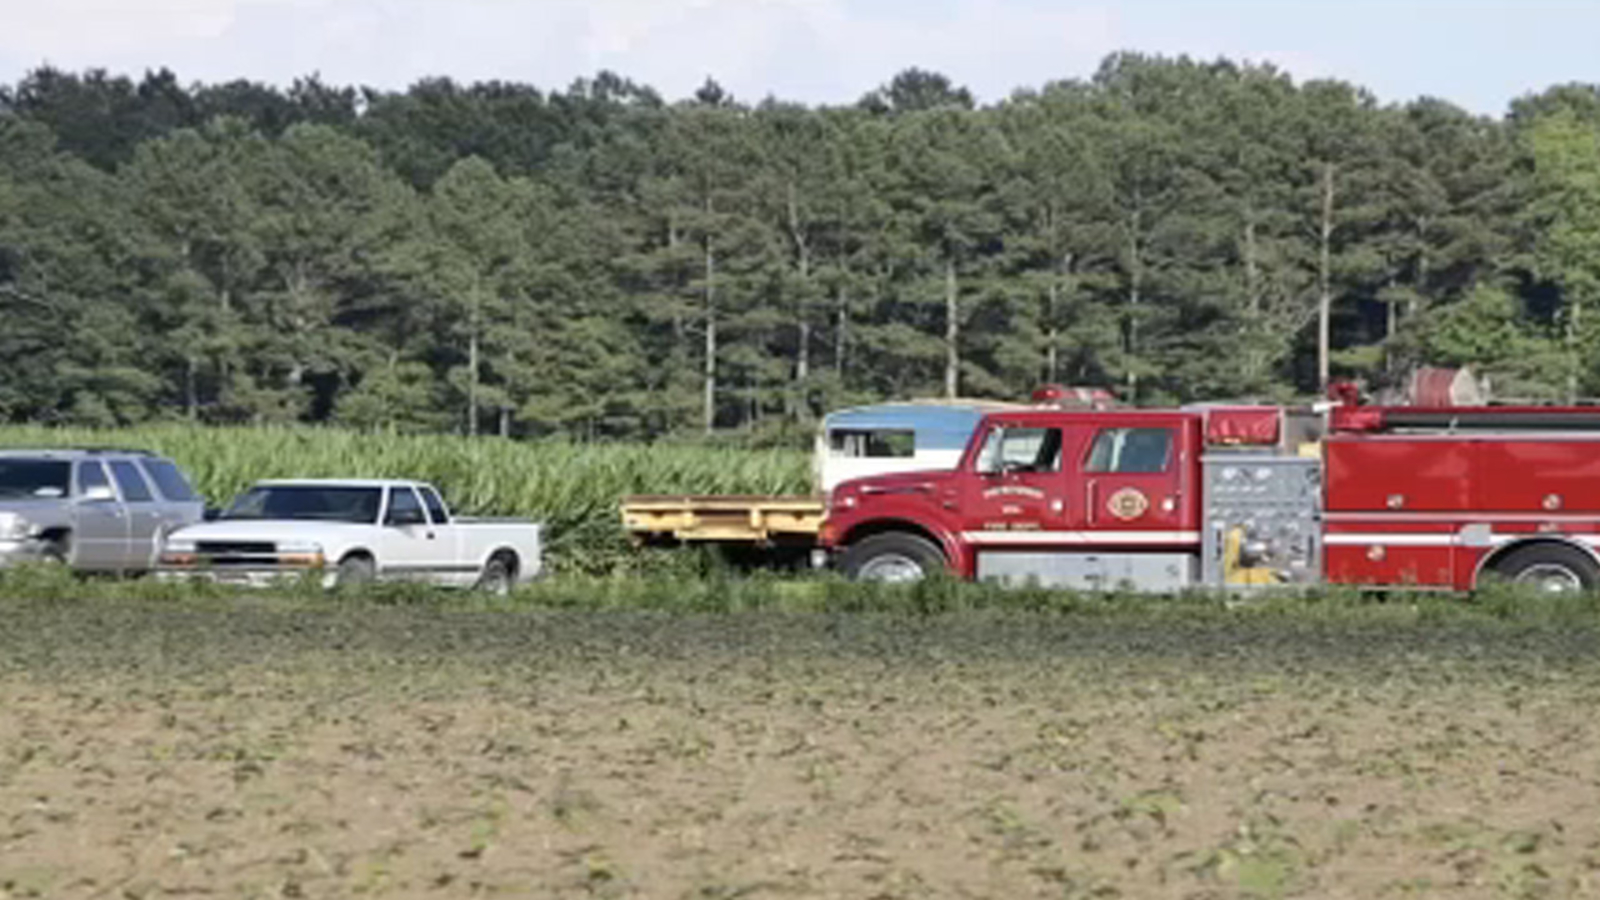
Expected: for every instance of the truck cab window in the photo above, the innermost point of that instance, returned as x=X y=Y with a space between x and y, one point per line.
x=404 y=508
x=876 y=444
x=1130 y=451
x=435 y=506
x=1021 y=450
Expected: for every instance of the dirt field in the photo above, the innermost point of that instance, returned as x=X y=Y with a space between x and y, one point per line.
x=235 y=749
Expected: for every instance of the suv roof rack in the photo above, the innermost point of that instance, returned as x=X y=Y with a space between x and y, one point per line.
x=130 y=451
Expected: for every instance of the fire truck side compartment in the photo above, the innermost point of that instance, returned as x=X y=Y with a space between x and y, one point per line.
x=1275 y=502
x=1156 y=572
x=1427 y=510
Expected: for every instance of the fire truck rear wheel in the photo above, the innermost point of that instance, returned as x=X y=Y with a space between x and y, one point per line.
x=1550 y=568
x=894 y=557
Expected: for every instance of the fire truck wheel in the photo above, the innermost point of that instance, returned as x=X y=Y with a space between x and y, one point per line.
x=894 y=557
x=1550 y=568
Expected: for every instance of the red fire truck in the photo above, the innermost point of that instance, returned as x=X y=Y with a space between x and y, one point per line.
x=1379 y=496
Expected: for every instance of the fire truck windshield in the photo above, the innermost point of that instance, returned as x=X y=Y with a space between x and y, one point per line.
x=1021 y=450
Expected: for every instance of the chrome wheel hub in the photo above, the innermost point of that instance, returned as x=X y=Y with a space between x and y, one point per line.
x=1550 y=578
x=891 y=568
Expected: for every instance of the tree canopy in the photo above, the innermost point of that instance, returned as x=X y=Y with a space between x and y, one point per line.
x=599 y=261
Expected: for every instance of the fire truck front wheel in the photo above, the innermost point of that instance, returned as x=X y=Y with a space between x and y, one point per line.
x=1550 y=568
x=893 y=557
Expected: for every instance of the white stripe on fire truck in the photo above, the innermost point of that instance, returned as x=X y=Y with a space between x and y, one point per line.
x=1393 y=539
x=1441 y=539
x=1459 y=516
x=1081 y=537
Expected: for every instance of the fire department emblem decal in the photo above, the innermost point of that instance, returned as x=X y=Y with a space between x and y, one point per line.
x=1128 y=503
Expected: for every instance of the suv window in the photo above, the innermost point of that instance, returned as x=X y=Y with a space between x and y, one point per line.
x=404 y=509
x=33 y=478
x=1016 y=449
x=91 y=475
x=1130 y=450
x=130 y=482
x=173 y=486
x=430 y=497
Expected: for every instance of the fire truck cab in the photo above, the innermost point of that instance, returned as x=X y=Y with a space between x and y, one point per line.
x=1242 y=497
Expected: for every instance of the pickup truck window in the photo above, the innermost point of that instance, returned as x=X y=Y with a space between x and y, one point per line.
x=404 y=508
x=308 y=503
x=1130 y=451
x=169 y=481
x=21 y=478
x=1021 y=450
x=879 y=444
x=436 y=510
x=130 y=482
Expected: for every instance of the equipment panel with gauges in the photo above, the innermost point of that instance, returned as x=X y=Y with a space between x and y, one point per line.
x=1262 y=520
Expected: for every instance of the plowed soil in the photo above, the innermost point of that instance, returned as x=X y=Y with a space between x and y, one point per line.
x=242 y=750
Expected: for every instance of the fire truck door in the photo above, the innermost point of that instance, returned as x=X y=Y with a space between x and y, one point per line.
x=1134 y=480
x=1018 y=483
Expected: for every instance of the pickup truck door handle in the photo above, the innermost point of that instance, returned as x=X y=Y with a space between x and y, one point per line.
x=430 y=535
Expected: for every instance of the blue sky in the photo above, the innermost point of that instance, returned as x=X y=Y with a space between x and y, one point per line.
x=1476 y=53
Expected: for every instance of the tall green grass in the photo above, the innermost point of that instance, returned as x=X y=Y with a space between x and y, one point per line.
x=573 y=488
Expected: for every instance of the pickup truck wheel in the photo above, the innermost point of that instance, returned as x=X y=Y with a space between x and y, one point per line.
x=354 y=571
x=496 y=578
x=1550 y=569
x=892 y=558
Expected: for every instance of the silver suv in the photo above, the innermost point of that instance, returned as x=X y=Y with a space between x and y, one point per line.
x=96 y=510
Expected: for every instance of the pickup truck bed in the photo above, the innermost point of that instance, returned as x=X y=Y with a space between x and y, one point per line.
x=736 y=519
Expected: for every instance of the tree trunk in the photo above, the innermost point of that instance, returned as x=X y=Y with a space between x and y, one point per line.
x=1574 y=322
x=1325 y=279
x=678 y=330
x=1252 y=268
x=952 y=332
x=472 y=376
x=802 y=357
x=1135 y=284
x=191 y=392
x=1253 y=362
x=841 y=338
x=1050 y=333
x=711 y=339
x=1422 y=267
x=505 y=422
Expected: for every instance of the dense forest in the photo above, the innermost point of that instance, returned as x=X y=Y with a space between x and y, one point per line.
x=602 y=262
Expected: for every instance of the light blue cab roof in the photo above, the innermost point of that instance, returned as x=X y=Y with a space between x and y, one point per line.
x=938 y=426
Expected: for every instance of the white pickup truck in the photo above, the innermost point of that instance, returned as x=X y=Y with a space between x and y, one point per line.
x=352 y=531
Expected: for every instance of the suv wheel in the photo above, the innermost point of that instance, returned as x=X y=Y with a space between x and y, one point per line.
x=54 y=553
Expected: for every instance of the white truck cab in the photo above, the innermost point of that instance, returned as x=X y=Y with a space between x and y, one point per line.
x=886 y=438
x=352 y=531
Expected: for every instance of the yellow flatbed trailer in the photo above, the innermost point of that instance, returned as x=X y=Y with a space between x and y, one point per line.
x=726 y=519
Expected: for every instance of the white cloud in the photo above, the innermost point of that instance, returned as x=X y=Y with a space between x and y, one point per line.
x=87 y=29
x=811 y=50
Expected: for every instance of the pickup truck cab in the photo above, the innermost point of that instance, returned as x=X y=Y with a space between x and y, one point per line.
x=352 y=531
